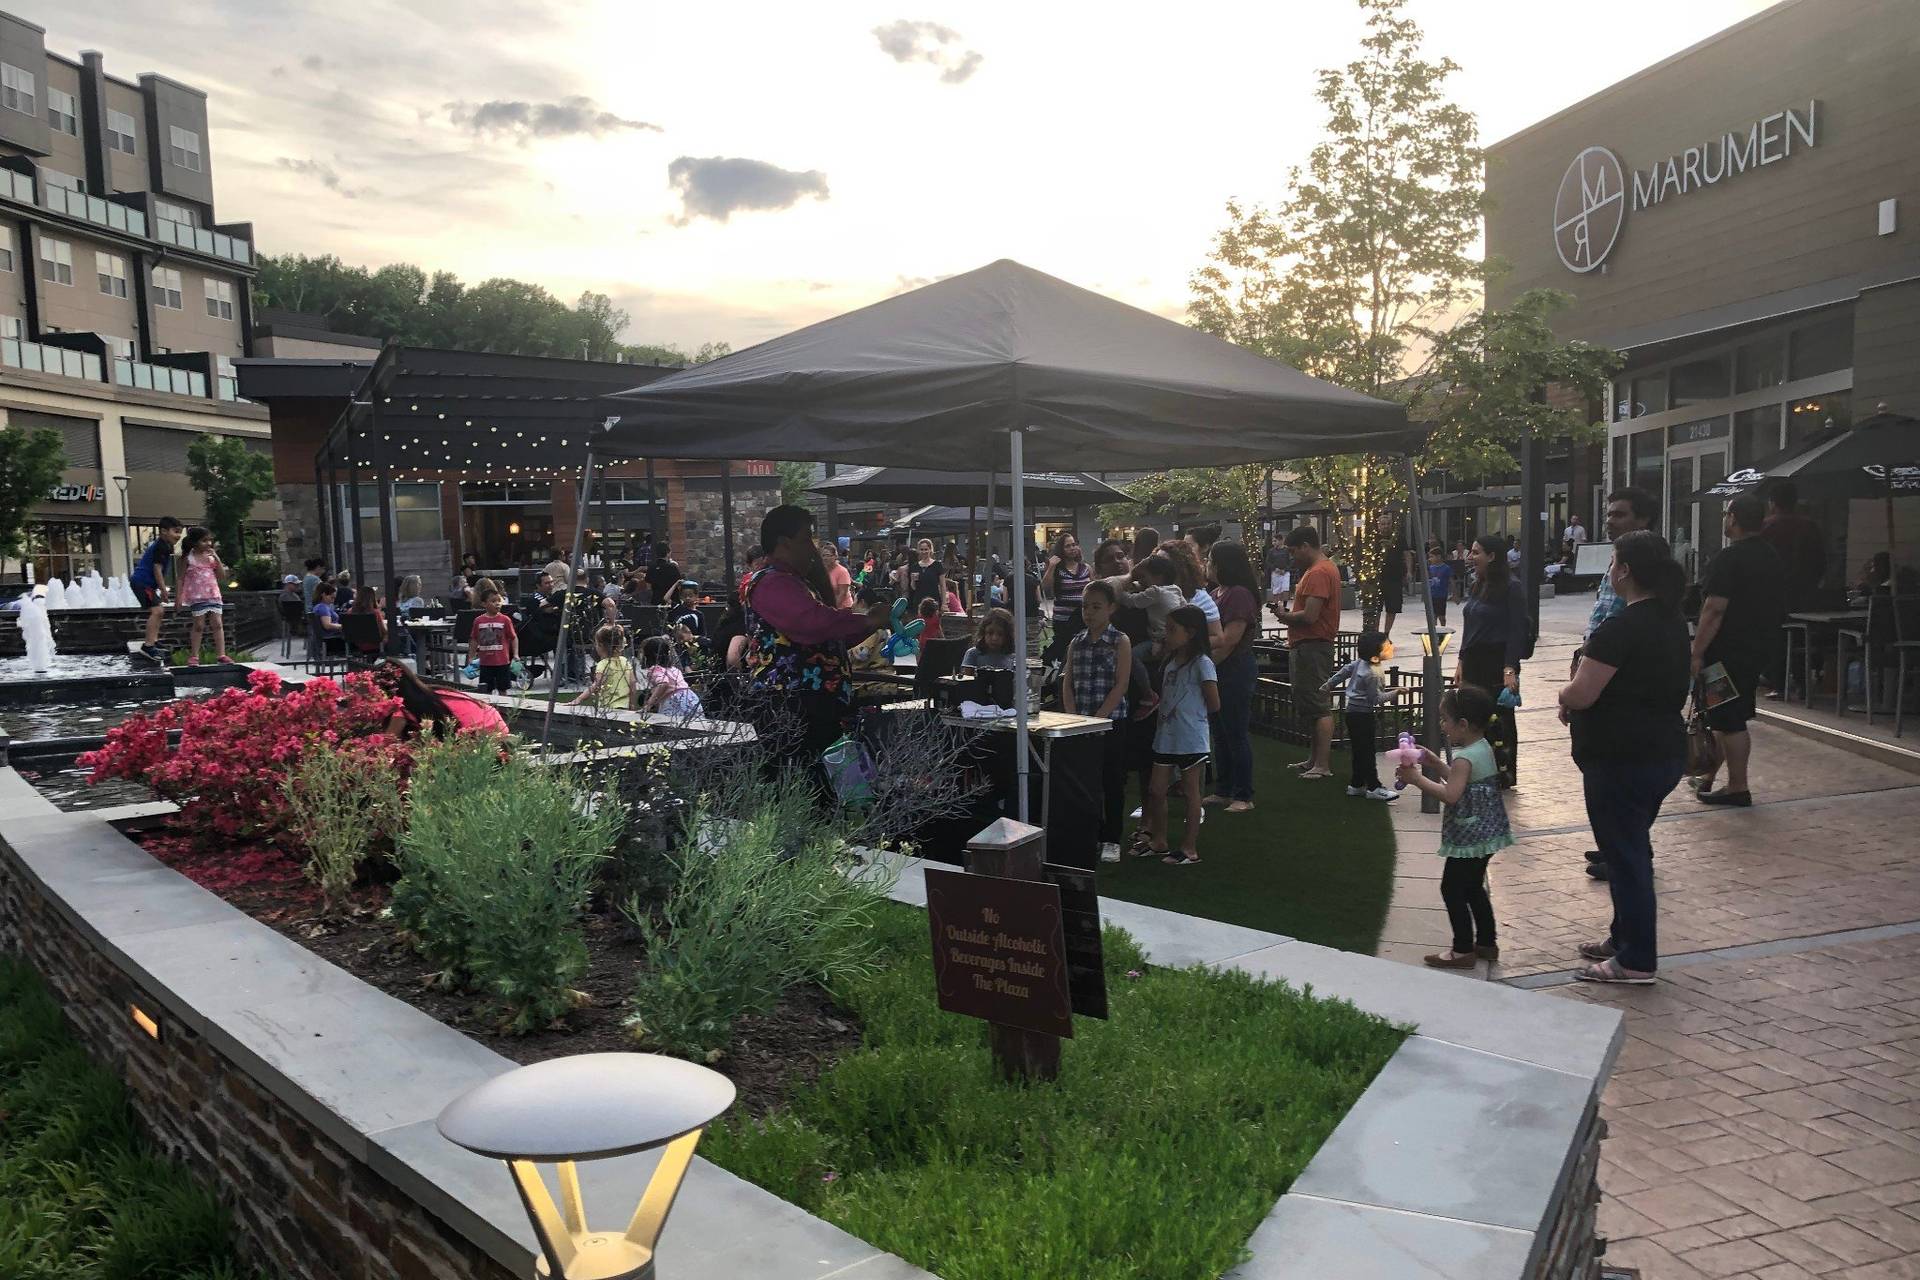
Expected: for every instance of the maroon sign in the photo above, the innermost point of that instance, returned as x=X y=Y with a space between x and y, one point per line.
x=998 y=950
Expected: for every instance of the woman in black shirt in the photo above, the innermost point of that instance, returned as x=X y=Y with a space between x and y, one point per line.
x=1497 y=631
x=1623 y=705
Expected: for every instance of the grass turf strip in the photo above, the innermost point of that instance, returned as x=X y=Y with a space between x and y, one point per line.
x=82 y=1196
x=1172 y=1129
x=1309 y=862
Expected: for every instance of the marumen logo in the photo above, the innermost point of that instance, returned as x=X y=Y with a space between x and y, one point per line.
x=1588 y=211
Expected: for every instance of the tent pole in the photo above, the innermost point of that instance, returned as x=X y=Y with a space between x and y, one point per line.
x=973 y=558
x=1017 y=471
x=566 y=598
x=1430 y=676
x=993 y=479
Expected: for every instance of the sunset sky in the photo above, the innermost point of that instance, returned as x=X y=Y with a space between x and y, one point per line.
x=733 y=171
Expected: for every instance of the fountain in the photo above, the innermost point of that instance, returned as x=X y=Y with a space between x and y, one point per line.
x=93 y=594
x=35 y=631
x=56 y=594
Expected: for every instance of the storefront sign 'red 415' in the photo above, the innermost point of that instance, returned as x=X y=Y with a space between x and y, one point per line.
x=1595 y=195
x=76 y=493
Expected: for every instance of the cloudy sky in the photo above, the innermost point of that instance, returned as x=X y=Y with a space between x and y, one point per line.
x=732 y=171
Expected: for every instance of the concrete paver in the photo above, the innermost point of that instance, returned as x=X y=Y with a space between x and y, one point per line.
x=1765 y=1111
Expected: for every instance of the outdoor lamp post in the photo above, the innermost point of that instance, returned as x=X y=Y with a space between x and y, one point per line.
x=590 y=1107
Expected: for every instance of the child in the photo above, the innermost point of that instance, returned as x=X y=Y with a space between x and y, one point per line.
x=1158 y=597
x=1094 y=683
x=1439 y=584
x=1365 y=695
x=200 y=592
x=1475 y=825
x=929 y=612
x=992 y=648
x=612 y=686
x=493 y=644
x=149 y=582
x=667 y=692
x=1189 y=693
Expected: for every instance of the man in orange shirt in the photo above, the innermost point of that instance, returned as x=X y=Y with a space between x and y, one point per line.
x=1312 y=621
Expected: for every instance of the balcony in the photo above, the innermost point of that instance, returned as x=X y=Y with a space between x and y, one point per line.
x=15 y=185
x=104 y=213
x=156 y=377
x=33 y=357
x=200 y=240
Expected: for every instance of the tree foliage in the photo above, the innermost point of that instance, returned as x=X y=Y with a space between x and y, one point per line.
x=1239 y=491
x=794 y=479
x=233 y=478
x=30 y=464
x=404 y=302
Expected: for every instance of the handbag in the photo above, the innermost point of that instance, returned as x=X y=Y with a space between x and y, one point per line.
x=1703 y=749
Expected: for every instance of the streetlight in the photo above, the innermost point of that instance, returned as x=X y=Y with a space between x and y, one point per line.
x=126 y=522
x=590 y=1107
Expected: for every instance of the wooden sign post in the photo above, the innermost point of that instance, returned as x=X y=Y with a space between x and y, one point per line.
x=999 y=949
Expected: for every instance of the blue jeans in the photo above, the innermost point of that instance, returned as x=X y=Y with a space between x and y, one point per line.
x=1623 y=799
x=1232 y=733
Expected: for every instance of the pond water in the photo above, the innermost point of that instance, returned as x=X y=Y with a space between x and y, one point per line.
x=68 y=666
x=68 y=789
x=37 y=721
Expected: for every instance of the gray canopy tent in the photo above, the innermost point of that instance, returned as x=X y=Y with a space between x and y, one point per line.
x=1000 y=361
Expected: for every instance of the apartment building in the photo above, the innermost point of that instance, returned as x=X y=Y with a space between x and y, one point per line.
x=124 y=298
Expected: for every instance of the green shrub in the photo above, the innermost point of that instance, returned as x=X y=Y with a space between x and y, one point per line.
x=757 y=905
x=257 y=573
x=82 y=1196
x=343 y=801
x=1172 y=1129
x=497 y=863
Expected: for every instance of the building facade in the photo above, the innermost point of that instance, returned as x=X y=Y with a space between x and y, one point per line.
x=1742 y=222
x=124 y=300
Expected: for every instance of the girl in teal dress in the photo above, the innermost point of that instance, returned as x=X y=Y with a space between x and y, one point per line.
x=1474 y=827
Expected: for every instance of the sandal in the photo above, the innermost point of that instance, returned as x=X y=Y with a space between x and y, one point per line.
x=1143 y=845
x=1240 y=806
x=1301 y=766
x=1609 y=971
x=1181 y=859
x=1314 y=775
x=1213 y=801
x=1596 y=951
x=224 y=658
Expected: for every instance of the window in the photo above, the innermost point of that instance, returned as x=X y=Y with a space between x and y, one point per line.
x=16 y=90
x=183 y=148
x=167 y=211
x=56 y=261
x=1806 y=417
x=120 y=132
x=220 y=299
x=63 y=113
x=1649 y=396
x=1698 y=381
x=1756 y=435
x=1649 y=463
x=55 y=178
x=1824 y=346
x=6 y=248
x=65 y=550
x=166 y=289
x=1760 y=365
x=122 y=348
x=13 y=327
x=112 y=271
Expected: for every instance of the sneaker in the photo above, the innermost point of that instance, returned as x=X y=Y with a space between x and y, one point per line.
x=154 y=651
x=1451 y=960
x=1109 y=853
x=1383 y=793
x=1356 y=791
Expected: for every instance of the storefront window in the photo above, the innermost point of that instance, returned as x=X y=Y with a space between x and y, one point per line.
x=63 y=551
x=1698 y=381
x=1649 y=396
x=1824 y=346
x=1760 y=365
x=1649 y=454
x=1618 y=477
x=1805 y=417
x=1756 y=435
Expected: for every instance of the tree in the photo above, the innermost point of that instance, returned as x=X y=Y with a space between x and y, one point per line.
x=30 y=465
x=1240 y=491
x=794 y=479
x=1343 y=278
x=233 y=478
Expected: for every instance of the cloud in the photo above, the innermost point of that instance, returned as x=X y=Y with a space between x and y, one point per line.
x=324 y=174
x=719 y=186
x=569 y=117
x=313 y=62
x=931 y=43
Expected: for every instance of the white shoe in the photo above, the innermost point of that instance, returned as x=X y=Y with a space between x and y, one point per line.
x=1356 y=791
x=1109 y=853
x=1383 y=793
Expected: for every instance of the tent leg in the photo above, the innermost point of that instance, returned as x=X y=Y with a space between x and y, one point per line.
x=1017 y=472
x=1430 y=676
x=566 y=600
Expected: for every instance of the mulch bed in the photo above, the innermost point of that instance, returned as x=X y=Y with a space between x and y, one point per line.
x=771 y=1054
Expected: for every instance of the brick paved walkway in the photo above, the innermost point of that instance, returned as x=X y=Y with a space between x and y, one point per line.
x=1765 y=1111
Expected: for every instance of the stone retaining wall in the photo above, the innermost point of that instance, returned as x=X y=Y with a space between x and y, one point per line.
x=1572 y=1250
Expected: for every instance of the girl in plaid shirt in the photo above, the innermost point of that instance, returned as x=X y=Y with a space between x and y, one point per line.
x=1099 y=660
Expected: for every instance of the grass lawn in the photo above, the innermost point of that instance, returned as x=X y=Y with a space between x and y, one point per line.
x=82 y=1197
x=1309 y=862
x=1170 y=1133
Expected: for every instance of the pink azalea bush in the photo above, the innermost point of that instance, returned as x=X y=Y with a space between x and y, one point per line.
x=237 y=748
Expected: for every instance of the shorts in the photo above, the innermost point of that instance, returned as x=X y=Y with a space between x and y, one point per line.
x=1280 y=583
x=1732 y=715
x=1311 y=667
x=496 y=679
x=200 y=608
x=149 y=597
x=1392 y=598
x=1181 y=761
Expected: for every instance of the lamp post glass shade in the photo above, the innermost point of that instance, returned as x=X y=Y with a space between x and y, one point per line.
x=589 y=1107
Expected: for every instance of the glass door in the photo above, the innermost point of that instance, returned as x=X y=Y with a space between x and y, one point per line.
x=1693 y=527
x=1680 y=510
